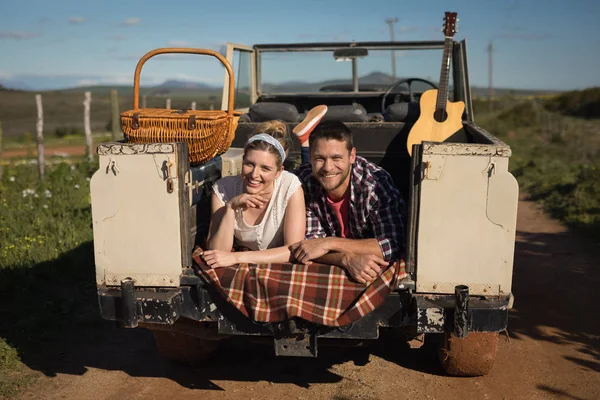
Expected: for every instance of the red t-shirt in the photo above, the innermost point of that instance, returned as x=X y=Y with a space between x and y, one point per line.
x=340 y=208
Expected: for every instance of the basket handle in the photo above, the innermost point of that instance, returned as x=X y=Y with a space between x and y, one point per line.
x=166 y=50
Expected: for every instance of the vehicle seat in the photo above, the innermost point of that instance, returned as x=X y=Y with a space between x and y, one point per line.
x=346 y=113
x=266 y=111
x=402 y=112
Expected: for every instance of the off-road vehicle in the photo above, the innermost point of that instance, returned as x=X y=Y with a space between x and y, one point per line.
x=460 y=217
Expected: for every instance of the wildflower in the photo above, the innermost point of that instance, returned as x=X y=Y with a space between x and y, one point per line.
x=12 y=179
x=69 y=178
x=76 y=186
x=72 y=168
x=28 y=192
x=88 y=179
x=45 y=206
x=47 y=193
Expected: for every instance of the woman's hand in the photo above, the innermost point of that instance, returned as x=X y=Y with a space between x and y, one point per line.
x=220 y=258
x=245 y=201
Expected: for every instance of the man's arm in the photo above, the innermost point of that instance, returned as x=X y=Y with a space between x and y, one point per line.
x=362 y=267
x=313 y=249
x=360 y=257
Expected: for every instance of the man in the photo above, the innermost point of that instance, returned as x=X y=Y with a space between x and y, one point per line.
x=354 y=210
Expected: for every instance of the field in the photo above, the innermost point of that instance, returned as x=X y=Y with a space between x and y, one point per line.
x=46 y=261
x=63 y=110
x=47 y=282
x=556 y=156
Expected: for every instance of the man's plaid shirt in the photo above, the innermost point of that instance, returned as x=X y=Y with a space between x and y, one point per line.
x=375 y=209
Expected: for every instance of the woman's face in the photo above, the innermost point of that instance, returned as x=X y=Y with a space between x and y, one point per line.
x=259 y=171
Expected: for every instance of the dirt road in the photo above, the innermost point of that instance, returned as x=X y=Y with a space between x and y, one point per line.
x=552 y=349
x=64 y=151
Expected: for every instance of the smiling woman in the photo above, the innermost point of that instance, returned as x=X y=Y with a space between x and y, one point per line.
x=262 y=209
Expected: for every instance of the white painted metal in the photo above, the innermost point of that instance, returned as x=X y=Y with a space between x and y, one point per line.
x=232 y=161
x=230 y=51
x=137 y=228
x=467 y=220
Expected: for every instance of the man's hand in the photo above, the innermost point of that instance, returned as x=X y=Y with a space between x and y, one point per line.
x=308 y=250
x=220 y=258
x=363 y=267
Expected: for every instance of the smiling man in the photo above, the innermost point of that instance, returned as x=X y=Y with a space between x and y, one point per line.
x=354 y=210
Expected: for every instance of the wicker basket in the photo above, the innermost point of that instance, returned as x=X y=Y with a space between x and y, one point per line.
x=208 y=133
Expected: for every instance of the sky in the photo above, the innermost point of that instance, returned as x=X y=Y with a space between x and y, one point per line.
x=537 y=44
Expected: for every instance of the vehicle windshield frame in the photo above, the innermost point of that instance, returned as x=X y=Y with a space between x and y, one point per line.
x=332 y=46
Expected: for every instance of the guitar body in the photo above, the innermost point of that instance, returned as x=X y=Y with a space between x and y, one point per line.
x=427 y=128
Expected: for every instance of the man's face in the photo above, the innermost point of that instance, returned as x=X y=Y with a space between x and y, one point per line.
x=331 y=164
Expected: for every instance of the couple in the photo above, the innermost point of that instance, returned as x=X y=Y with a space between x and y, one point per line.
x=339 y=209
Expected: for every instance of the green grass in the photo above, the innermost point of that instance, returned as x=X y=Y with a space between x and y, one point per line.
x=47 y=281
x=556 y=158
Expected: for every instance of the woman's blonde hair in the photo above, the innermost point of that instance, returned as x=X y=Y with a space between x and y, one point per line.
x=279 y=131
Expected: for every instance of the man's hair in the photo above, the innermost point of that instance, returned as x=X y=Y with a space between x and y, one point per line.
x=331 y=130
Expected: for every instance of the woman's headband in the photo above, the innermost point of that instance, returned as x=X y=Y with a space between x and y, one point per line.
x=265 y=137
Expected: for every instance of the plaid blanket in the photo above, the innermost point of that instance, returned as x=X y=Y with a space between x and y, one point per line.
x=318 y=293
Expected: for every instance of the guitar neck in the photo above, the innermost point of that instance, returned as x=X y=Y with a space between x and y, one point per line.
x=442 y=95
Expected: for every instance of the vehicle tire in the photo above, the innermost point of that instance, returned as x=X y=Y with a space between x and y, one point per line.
x=179 y=347
x=473 y=355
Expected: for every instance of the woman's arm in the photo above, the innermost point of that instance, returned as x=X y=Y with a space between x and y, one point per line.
x=220 y=233
x=294 y=222
x=294 y=226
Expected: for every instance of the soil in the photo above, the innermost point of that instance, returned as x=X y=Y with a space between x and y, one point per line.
x=550 y=351
x=73 y=150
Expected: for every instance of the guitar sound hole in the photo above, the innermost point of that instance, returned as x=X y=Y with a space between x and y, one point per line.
x=440 y=115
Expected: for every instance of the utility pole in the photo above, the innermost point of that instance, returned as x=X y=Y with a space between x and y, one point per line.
x=490 y=85
x=391 y=22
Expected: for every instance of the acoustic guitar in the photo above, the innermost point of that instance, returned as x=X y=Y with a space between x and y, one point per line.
x=439 y=118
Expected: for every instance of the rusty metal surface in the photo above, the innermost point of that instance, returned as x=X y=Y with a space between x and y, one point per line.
x=300 y=345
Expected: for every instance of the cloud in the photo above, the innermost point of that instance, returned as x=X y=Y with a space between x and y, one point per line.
x=14 y=35
x=5 y=75
x=76 y=20
x=87 y=82
x=117 y=38
x=131 y=21
x=178 y=43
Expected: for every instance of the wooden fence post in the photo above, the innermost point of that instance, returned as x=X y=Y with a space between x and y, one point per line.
x=40 y=135
x=1 y=166
x=116 y=118
x=169 y=103
x=144 y=101
x=86 y=125
x=193 y=105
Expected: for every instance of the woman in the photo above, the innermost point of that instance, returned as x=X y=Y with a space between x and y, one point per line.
x=262 y=209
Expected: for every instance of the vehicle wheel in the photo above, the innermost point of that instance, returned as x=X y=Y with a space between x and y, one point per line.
x=473 y=355
x=179 y=347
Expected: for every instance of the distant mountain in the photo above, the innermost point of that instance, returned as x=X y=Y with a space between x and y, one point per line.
x=14 y=85
x=176 y=88
x=176 y=84
x=377 y=78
